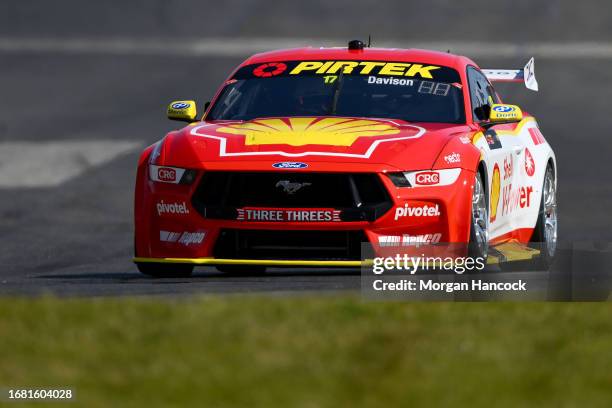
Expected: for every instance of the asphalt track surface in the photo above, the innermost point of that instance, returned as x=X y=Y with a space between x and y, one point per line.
x=66 y=199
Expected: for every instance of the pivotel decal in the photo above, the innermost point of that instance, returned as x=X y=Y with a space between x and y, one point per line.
x=424 y=210
x=408 y=240
x=184 y=238
x=288 y=215
x=172 y=208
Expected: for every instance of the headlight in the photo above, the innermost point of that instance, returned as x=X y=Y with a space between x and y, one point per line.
x=174 y=175
x=399 y=179
x=424 y=178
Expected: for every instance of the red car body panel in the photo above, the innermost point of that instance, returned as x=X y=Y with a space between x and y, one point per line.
x=227 y=146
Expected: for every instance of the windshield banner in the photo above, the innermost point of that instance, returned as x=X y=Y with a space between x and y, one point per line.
x=353 y=68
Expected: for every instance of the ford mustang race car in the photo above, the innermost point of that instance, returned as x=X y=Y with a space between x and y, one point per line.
x=305 y=155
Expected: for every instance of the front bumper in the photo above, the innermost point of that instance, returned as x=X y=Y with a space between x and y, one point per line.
x=170 y=229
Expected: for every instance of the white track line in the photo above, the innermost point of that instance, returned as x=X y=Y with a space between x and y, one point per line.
x=48 y=164
x=241 y=47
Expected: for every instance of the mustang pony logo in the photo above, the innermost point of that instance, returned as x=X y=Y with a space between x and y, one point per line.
x=294 y=133
x=291 y=188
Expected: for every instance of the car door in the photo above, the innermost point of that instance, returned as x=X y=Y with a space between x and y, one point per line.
x=501 y=151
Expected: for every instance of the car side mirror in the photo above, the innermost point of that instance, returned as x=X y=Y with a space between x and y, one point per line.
x=482 y=112
x=185 y=111
x=505 y=113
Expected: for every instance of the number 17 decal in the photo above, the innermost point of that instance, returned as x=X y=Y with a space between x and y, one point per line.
x=330 y=79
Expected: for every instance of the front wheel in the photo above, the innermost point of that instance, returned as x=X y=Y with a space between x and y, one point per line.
x=478 y=246
x=165 y=270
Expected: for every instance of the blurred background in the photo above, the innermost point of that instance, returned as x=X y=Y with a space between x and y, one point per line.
x=84 y=87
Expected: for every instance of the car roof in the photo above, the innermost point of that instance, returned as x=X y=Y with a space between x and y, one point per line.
x=366 y=54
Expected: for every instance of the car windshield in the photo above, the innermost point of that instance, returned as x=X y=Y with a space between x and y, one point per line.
x=372 y=89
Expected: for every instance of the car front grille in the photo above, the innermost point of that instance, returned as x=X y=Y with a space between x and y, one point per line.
x=359 y=196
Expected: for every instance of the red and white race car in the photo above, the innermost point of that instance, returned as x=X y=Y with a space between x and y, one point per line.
x=306 y=154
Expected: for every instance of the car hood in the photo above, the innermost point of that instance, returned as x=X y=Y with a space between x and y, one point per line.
x=315 y=141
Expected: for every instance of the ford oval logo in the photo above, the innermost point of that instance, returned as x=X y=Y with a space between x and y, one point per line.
x=503 y=108
x=290 y=165
x=180 y=105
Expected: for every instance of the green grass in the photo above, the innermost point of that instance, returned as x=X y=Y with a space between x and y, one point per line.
x=251 y=351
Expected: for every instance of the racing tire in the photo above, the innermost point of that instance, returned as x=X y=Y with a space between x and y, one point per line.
x=162 y=270
x=478 y=246
x=242 y=270
x=544 y=237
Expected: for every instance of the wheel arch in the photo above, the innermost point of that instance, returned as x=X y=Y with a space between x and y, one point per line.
x=482 y=170
x=552 y=163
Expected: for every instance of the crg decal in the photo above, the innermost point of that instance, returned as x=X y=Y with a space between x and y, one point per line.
x=164 y=174
x=427 y=178
x=442 y=177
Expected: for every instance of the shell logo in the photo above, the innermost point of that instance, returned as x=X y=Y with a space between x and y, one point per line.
x=529 y=163
x=309 y=131
x=495 y=192
x=270 y=69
